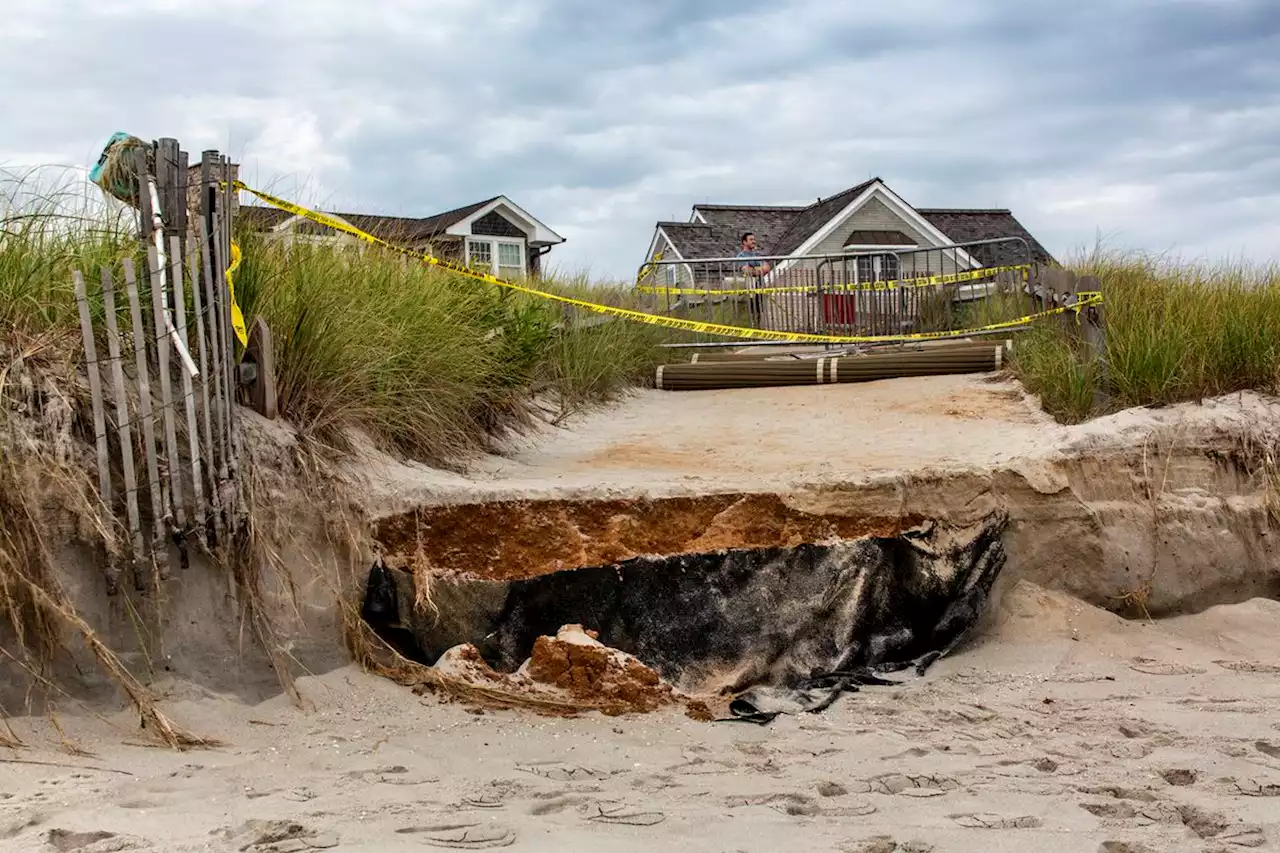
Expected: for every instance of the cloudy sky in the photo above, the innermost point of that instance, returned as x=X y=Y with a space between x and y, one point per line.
x=1154 y=122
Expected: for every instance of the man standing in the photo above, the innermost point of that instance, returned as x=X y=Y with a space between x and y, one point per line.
x=753 y=267
x=749 y=250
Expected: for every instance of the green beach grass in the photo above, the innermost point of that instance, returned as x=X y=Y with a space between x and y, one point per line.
x=434 y=365
x=1176 y=331
x=426 y=362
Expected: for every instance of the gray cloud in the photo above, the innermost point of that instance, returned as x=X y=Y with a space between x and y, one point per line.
x=1156 y=120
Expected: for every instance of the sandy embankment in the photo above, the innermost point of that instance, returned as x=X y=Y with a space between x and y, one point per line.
x=1060 y=728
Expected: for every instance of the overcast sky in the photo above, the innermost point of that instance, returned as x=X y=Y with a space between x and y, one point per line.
x=1156 y=122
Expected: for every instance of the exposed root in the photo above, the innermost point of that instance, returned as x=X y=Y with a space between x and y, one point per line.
x=8 y=737
x=68 y=744
x=1137 y=598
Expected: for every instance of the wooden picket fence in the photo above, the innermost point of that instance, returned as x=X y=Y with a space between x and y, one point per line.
x=164 y=393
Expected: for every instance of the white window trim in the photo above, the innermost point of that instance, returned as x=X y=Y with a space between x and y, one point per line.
x=494 y=251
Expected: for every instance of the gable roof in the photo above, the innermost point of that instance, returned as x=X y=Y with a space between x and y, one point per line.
x=813 y=217
x=393 y=228
x=783 y=229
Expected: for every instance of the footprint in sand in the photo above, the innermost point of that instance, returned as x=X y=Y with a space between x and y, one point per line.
x=914 y=752
x=620 y=814
x=1148 y=666
x=1250 y=666
x=396 y=774
x=800 y=805
x=887 y=844
x=1179 y=777
x=1111 y=811
x=100 y=841
x=561 y=772
x=1257 y=788
x=463 y=836
x=912 y=786
x=277 y=836
x=1118 y=793
x=557 y=804
x=1268 y=749
x=1123 y=847
x=1242 y=835
x=486 y=801
x=995 y=821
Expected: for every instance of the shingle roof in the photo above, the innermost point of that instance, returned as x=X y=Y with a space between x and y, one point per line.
x=767 y=222
x=781 y=229
x=391 y=228
x=813 y=217
x=696 y=240
x=966 y=226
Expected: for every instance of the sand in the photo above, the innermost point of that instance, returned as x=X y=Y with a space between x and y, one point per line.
x=776 y=440
x=1062 y=728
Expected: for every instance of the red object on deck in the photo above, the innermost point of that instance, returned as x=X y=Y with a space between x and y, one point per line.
x=839 y=309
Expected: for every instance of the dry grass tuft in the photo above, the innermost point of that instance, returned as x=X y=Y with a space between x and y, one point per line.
x=46 y=496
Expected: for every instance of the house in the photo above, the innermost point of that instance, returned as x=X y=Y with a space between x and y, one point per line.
x=495 y=235
x=867 y=218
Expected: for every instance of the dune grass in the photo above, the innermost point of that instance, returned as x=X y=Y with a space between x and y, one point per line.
x=1176 y=332
x=425 y=362
x=433 y=365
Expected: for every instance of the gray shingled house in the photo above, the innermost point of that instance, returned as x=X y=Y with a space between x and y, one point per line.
x=867 y=217
x=495 y=234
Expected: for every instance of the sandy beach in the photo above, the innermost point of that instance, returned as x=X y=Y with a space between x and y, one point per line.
x=1060 y=727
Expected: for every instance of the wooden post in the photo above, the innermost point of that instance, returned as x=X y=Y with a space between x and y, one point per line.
x=145 y=222
x=1093 y=323
x=216 y=356
x=228 y=194
x=181 y=191
x=261 y=351
x=95 y=390
x=188 y=391
x=124 y=430
x=159 y=500
x=173 y=466
x=197 y=299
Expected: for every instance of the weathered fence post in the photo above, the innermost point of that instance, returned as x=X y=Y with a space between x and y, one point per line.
x=1093 y=322
x=124 y=431
x=159 y=498
x=95 y=390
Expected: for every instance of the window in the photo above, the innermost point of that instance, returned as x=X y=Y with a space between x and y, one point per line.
x=504 y=258
x=877 y=268
x=510 y=260
x=481 y=254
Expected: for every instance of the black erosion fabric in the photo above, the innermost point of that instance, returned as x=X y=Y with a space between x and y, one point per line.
x=782 y=630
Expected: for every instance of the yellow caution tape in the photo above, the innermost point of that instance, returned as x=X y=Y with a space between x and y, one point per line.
x=237 y=316
x=649 y=268
x=895 y=284
x=699 y=326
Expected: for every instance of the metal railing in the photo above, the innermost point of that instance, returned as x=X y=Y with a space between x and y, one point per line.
x=873 y=292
